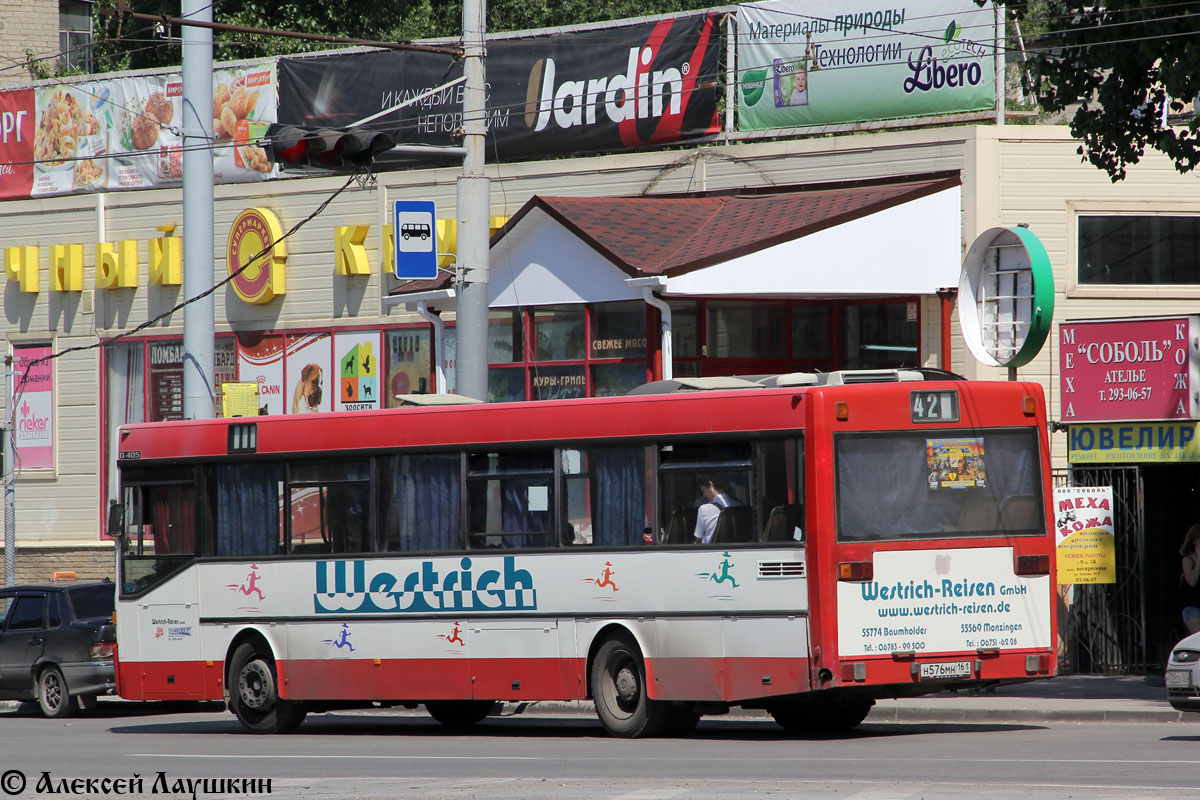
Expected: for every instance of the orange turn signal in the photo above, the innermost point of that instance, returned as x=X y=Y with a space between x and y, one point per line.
x=841 y=410
x=1029 y=406
x=856 y=571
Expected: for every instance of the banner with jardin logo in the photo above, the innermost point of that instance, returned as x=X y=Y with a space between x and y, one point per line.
x=814 y=62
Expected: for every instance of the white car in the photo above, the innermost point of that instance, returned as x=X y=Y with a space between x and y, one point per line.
x=1183 y=674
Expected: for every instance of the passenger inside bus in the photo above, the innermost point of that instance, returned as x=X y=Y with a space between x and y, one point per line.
x=716 y=500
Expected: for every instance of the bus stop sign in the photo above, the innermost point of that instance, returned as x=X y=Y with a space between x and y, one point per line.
x=414 y=230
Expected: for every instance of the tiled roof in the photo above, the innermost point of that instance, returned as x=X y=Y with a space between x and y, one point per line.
x=673 y=235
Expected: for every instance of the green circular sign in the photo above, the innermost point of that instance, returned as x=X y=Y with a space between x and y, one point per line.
x=1006 y=297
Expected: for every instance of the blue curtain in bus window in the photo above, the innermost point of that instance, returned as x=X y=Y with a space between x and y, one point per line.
x=425 y=514
x=619 y=514
x=247 y=510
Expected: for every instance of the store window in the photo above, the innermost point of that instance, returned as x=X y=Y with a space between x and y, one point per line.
x=409 y=363
x=124 y=400
x=505 y=336
x=559 y=333
x=745 y=330
x=595 y=350
x=685 y=338
x=164 y=376
x=1143 y=250
x=618 y=330
x=810 y=334
x=880 y=335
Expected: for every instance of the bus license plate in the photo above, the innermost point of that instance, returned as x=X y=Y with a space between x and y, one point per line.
x=948 y=669
x=1178 y=678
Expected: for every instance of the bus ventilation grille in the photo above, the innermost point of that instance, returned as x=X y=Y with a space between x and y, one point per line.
x=781 y=569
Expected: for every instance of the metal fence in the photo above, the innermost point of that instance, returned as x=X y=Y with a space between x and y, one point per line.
x=1105 y=629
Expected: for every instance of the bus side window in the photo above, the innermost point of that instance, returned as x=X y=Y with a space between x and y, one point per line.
x=604 y=501
x=510 y=499
x=249 y=497
x=420 y=506
x=781 y=498
x=682 y=470
x=329 y=508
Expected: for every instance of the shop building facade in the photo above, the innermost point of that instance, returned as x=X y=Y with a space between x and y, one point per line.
x=571 y=315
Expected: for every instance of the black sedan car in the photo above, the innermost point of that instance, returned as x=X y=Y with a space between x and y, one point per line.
x=56 y=644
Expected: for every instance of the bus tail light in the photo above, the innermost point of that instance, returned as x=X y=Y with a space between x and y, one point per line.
x=856 y=571
x=1033 y=565
x=854 y=671
x=841 y=410
x=1037 y=664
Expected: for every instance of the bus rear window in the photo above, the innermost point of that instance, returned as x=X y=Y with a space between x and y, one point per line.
x=938 y=484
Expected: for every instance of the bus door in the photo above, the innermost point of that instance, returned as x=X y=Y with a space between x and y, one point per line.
x=159 y=540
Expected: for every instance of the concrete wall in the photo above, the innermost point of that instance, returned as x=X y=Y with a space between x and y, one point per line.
x=37 y=564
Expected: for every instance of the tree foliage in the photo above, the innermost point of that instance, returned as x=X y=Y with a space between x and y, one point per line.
x=133 y=44
x=1120 y=69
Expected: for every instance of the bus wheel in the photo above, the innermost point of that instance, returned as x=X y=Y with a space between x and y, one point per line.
x=253 y=694
x=682 y=721
x=459 y=714
x=619 y=692
x=824 y=717
x=53 y=696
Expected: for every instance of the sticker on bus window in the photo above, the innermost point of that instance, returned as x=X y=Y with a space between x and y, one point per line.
x=955 y=463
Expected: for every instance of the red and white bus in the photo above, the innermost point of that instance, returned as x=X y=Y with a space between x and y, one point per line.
x=883 y=535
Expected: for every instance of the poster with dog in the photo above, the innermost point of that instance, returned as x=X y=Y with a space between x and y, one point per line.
x=306 y=368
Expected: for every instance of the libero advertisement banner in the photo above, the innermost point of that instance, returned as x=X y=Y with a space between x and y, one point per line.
x=126 y=133
x=816 y=62
x=609 y=89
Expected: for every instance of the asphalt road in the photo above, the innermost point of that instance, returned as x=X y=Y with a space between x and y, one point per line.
x=387 y=754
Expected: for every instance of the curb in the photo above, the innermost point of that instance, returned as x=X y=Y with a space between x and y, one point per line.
x=909 y=714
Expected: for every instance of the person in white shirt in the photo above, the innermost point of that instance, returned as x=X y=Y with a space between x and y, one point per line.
x=710 y=510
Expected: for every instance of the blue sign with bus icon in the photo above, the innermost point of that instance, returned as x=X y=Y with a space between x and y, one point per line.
x=414 y=231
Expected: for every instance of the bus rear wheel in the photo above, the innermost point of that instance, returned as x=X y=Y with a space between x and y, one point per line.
x=459 y=714
x=254 y=693
x=619 y=692
x=822 y=717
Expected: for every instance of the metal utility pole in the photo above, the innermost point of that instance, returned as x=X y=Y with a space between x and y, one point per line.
x=10 y=478
x=1000 y=49
x=198 y=347
x=474 y=205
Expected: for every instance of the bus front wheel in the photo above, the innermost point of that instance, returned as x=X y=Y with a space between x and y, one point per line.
x=619 y=692
x=254 y=693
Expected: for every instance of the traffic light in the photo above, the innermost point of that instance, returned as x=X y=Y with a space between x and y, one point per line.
x=325 y=148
